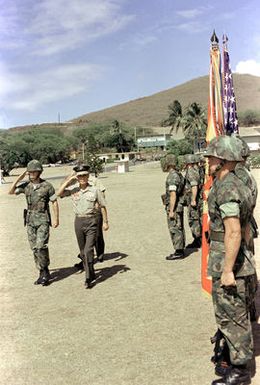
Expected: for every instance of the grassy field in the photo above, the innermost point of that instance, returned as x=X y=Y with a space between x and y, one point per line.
x=146 y=322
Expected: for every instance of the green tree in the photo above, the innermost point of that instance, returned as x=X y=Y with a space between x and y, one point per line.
x=175 y=118
x=195 y=123
x=249 y=118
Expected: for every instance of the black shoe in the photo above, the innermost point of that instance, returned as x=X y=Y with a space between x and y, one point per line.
x=236 y=376
x=89 y=284
x=79 y=265
x=39 y=280
x=45 y=277
x=195 y=244
x=177 y=255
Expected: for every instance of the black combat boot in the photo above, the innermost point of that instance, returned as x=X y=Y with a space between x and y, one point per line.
x=238 y=375
x=39 y=280
x=79 y=266
x=179 y=253
x=46 y=277
x=195 y=244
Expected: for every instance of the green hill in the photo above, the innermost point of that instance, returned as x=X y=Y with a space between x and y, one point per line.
x=149 y=111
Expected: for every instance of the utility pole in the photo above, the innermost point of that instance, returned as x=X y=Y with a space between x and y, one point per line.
x=83 y=151
x=59 y=117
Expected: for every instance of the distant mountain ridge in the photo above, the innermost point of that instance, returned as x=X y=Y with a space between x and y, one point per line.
x=149 y=111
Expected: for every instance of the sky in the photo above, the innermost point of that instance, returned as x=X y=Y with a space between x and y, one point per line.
x=60 y=59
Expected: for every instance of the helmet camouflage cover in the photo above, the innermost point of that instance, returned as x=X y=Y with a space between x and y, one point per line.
x=225 y=147
x=246 y=149
x=167 y=161
x=191 y=158
x=34 y=165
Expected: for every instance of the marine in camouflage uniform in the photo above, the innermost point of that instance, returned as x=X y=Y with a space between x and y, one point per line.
x=193 y=198
x=174 y=209
x=38 y=193
x=231 y=263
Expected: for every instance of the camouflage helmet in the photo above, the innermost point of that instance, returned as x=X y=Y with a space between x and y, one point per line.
x=225 y=147
x=34 y=165
x=191 y=158
x=246 y=149
x=167 y=161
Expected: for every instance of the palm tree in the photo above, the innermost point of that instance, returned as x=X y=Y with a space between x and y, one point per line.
x=175 y=119
x=194 y=123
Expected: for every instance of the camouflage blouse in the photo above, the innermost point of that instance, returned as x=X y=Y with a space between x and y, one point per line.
x=229 y=197
x=174 y=182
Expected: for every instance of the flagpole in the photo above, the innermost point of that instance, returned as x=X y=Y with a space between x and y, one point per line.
x=215 y=128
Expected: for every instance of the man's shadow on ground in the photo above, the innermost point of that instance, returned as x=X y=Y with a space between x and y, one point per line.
x=102 y=274
x=61 y=273
x=107 y=272
x=117 y=256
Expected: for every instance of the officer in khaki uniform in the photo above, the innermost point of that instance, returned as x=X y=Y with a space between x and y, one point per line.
x=38 y=193
x=85 y=198
x=174 y=209
x=231 y=263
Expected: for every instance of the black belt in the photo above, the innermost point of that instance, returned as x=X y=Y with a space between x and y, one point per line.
x=217 y=236
x=85 y=215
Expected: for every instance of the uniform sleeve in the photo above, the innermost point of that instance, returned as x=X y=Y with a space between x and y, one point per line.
x=193 y=177
x=52 y=195
x=101 y=199
x=230 y=209
x=173 y=181
x=100 y=186
x=20 y=189
x=69 y=191
x=228 y=199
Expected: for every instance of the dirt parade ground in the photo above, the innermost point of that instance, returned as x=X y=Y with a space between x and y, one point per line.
x=145 y=322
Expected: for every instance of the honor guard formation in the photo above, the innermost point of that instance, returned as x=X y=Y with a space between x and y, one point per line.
x=232 y=229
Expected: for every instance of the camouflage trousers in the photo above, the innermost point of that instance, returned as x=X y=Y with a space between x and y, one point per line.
x=176 y=229
x=38 y=237
x=231 y=306
x=194 y=218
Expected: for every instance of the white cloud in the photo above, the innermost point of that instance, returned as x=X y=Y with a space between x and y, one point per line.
x=47 y=27
x=190 y=13
x=193 y=12
x=250 y=67
x=29 y=91
x=192 y=27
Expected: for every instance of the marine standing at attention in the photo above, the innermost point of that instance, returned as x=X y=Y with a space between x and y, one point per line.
x=174 y=210
x=231 y=263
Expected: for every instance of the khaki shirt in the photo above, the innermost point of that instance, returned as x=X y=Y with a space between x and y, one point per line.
x=93 y=181
x=84 y=200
